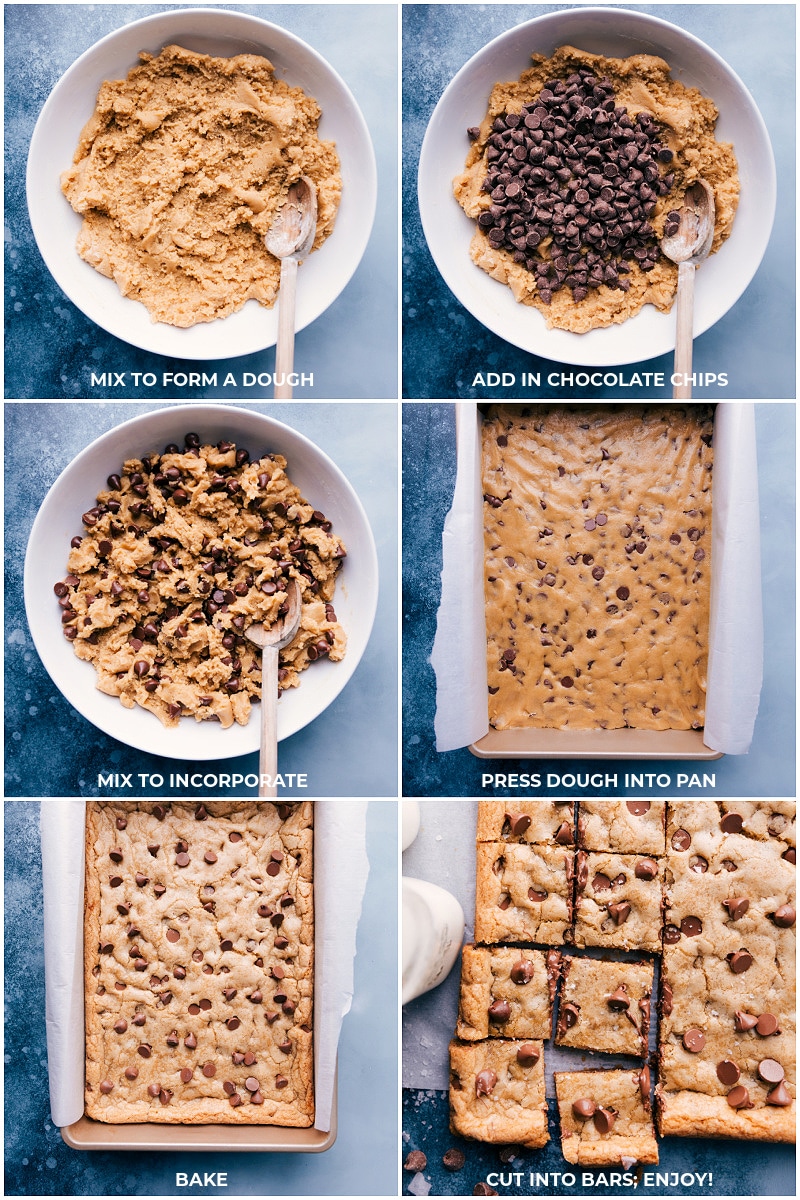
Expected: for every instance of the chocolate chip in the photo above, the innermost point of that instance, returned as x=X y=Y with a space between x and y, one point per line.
x=739 y=1098
x=536 y=897
x=483 y=1189
x=646 y=868
x=415 y=1161
x=564 y=835
x=784 y=916
x=736 y=906
x=619 y=912
x=528 y=1055
x=210 y=857
x=604 y=1119
x=131 y=1073
x=522 y=972
x=182 y=860
x=691 y=926
x=740 y=961
x=731 y=823
x=744 y=1021
x=485 y=1082
x=518 y=823
x=698 y=864
x=780 y=1096
x=500 y=1012
x=681 y=840
x=790 y=855
x=644 y=1084
x=145 y=1050
x=636 y=807
x=771 y=1071
x=583 y=1109
x=727 y=1072
x=120 y=1026
x=619 y=1000
x=453 y=1159
x=106 y=1086
x=694 y=1040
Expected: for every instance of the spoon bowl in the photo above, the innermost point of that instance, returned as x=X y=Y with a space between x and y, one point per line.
x=290 y=239
x=688 y=235
x=271 y=640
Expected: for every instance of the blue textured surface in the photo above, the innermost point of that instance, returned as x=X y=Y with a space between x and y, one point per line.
x=349 y=750
x=737 y=1168
x=52 y=348
x=363 y=1159
x=444 y=346
x=428 y=480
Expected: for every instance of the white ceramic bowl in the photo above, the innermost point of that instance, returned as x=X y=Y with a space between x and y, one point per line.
x=59 y=520
x=616 y=33
x=224 y=34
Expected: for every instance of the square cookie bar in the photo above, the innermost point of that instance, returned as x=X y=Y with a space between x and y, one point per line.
x=625 y=826
x=497 y=1092
x=618 y=901
x=506 y=992
x=771 y=821
x=539 y=822
x=523 y=893
x=604 y=1005
x=605 y=1117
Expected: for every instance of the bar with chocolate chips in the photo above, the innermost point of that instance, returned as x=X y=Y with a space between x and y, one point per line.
x=618 y=901
x=506 y=992
x=497 y=1092
x=604 y=1005
x=537 y=822
x=199 y=948
x=523 y=893
x=606 y=1117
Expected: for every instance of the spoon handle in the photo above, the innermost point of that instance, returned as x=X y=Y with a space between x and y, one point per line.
x=284 y=351
x=268 y=755
x=684 y=332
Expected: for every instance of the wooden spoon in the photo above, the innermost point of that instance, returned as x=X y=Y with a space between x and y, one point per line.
x=688 y=247
x=271 y=641
x=290 y=238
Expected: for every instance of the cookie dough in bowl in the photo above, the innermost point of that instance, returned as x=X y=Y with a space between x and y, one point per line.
x=624 y=45
x=298 y=69
x=208 y=564
x=182 y=170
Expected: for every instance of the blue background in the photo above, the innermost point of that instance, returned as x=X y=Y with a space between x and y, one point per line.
x=349 y=750
x=428 y=481
x=444 y=347
x=362 y=1161
x=52 y=348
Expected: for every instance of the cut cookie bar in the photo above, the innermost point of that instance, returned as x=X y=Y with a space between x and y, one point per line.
x=539 y=822
x=605 y=1005
x=605 y=1117
x=497 y=1092
x=618 y=901
x=761 y=820
x=625 y=826
x=506 y=992
x=523 y=893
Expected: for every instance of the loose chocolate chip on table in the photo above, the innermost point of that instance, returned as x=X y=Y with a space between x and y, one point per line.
x=727 y=1072
x=483 y=1189
x=694 y=1040
x=583 y=1109
x=453 y=1159
x=770 y=1070
x=528 y=1055
x=485 y=1082
x=739 y=1098
x=415 y=1161
x=780 y=1096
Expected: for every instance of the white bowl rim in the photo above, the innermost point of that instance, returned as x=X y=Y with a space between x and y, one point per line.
x=212 y=747
x=213 y=345
x=492 y=321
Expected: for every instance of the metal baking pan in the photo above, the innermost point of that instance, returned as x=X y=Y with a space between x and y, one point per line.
x=667 y=744
x=88 y=1134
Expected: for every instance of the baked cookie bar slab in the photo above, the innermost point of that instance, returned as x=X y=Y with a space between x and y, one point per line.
x=605 y=1117
x=199 y=947
x=497 y=1092
x=771 y=821
x=506 y=992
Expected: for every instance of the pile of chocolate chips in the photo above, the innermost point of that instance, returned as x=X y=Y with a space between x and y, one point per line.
x=572 y=175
